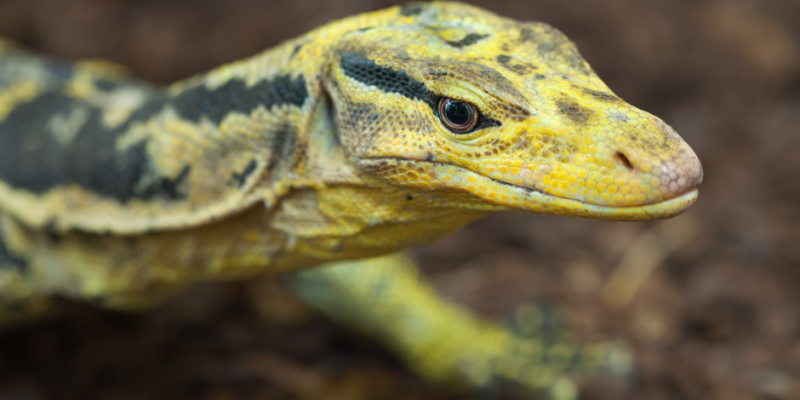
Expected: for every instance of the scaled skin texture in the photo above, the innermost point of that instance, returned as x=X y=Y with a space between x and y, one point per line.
x=559 y=141
x=328 y=147
x=563 y=144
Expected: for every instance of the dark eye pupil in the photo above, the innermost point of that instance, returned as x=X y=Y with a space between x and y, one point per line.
x=458 y=116
x=457 y=113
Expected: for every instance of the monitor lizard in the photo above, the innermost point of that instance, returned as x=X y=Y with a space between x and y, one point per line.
x=360 y=139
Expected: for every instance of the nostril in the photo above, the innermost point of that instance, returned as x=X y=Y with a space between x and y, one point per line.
x=623 y=159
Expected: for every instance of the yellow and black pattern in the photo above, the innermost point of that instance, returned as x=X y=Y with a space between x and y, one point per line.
x=84 y=148
x=364 y=137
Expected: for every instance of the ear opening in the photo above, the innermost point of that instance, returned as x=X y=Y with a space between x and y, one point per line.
x=323 y=126
x=331 y=115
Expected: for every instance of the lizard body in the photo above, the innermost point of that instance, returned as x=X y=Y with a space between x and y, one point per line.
x=364 y=137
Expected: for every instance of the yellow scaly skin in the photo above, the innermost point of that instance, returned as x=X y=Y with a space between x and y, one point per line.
x=328 y=147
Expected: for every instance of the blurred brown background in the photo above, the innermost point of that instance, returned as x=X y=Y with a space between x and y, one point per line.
x=718 y=318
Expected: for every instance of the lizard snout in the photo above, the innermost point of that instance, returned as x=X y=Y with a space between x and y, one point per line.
x=667 y=165
x=606 y=152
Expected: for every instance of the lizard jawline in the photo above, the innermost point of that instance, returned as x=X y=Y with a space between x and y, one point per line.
x=537 y=201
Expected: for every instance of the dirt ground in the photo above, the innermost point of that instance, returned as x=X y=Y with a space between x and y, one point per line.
x=717 y=318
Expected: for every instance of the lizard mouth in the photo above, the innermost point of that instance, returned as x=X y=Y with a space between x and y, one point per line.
x=573 y=207
x=510 y=196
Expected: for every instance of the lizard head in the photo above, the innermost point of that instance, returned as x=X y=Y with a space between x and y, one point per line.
x=451 y=101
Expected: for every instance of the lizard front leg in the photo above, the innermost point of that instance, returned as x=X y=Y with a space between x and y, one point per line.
x=386 y=298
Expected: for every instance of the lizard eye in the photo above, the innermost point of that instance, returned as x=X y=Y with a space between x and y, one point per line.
x=458 y=116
